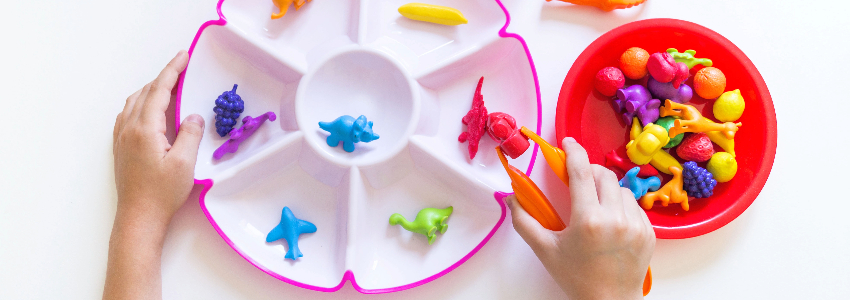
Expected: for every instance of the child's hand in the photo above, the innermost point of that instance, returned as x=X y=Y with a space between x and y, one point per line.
x=605 y=250
x=154 y=178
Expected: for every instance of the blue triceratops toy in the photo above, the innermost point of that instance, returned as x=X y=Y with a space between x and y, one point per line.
x=348 y=130
x=639 y=186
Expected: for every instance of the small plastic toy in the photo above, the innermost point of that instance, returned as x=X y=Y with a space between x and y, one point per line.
x=531 y=198
x=664 y=91
x=428 y=221
x=671 y=192
x=283 y=6
x=718 y=138
x=690 y=120
x=347 y=130
x=649 y=142
x=475 y=121
x=432 y=13
x=227 y=108
x=709 y=82
x=555 y=157
x=290 y=228
x=639 y=186
x=696 y=147
x=729 y=106
x=698 y=182
x=661 y=160
x=664 y=68
x=606 y=5
x=608 y=81
x=688 y=58
x=633 y=63
x=502 y=128
x=667 y=122
x=249 y=126
x=612 y=159
x=636 y=101
x=723 y=166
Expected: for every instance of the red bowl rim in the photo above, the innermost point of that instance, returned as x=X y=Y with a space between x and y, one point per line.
x=760 y=178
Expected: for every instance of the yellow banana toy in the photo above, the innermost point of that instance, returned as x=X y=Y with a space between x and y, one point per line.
x=718 y=138
x=432 y=13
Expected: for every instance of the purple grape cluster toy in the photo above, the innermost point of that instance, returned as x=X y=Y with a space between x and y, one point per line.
x=227 y=108
x=698 y=182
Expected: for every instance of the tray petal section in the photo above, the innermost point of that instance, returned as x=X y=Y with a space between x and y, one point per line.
x=299 y=35
x=424 y=46
x=220 y=59
x=509 y=87
x=389 y=256
x=246 y=205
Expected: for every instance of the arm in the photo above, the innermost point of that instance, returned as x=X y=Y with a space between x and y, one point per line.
x=605 y=250
x=153 y=180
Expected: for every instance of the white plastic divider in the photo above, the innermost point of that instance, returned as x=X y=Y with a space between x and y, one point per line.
x=356 y=198
x=287 y=151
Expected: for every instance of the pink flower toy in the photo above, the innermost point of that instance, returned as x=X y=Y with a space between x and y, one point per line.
x=249 y=126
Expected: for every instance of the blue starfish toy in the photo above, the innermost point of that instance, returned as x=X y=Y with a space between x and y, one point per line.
x=638 y=185
x=290 y=228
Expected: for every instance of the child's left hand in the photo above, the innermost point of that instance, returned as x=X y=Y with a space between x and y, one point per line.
x=154 y=178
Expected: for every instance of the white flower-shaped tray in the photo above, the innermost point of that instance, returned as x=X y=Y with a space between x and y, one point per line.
x=414 y=80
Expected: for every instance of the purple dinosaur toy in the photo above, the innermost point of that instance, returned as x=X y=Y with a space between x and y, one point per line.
x=661 y=90
x=249 y=126
x=636 y=100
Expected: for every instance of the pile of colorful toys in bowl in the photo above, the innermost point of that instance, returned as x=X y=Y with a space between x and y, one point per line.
x=656 y=107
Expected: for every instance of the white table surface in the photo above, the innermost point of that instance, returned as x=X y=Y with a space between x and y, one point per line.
x=67 y=67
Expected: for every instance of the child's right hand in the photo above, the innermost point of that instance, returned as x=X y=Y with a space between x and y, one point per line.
x=605 y=250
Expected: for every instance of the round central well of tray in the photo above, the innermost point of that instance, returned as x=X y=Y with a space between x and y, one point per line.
x=355 y=82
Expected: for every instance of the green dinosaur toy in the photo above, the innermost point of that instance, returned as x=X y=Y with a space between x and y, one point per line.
x=428 y=222
x=688 y=58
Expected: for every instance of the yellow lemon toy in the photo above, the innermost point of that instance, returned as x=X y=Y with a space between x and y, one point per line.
x=723 y=166
x=729 y=107
x=432 y=13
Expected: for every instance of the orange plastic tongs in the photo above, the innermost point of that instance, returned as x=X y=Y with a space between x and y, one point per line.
x=532 y=198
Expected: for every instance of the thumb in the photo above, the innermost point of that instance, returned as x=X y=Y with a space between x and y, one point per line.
x=534 y=234
x=188 y=138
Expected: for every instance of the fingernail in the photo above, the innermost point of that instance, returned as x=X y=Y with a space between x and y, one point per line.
x=568 y=140
x=195 y=119
x=509 y=201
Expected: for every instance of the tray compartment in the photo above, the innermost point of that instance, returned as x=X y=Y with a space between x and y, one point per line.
x=385 y=255
x=247 y=204
x=220 y=59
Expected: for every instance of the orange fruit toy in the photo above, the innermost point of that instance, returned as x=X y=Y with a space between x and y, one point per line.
x=633 y=62
x=709 y=83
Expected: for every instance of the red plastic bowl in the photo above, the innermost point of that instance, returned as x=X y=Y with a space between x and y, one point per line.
x=590 y=118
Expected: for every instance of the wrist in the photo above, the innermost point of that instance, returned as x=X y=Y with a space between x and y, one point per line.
x=141 y=217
